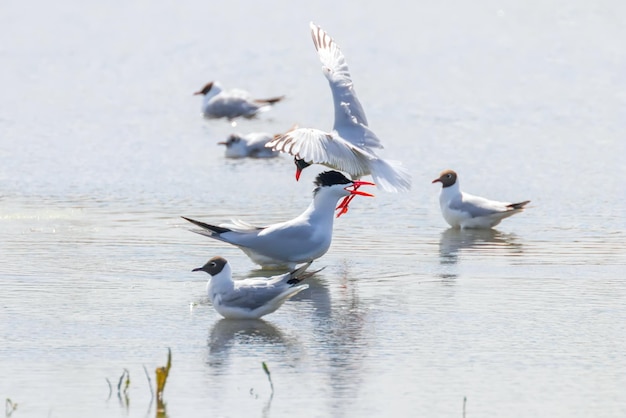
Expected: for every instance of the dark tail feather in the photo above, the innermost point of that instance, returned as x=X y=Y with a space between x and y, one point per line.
x=519 y=205
x=299 y=274
x=271 y=100
x=213 y=228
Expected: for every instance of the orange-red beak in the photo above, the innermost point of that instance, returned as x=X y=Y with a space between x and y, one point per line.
x=298 y=172
x=358 y=183
x=436 y=180
x=343 y=206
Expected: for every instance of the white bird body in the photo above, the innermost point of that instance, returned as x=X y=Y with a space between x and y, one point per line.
x=302 y=239
x=250 y=145
x=350 y=145
x=463 y=210
x=231 y=104
x=253 y=297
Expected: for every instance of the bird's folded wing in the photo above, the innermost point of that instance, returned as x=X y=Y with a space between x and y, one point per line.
x=478 y=206
x=238 y=225
x=237 y=94
x=251 y=297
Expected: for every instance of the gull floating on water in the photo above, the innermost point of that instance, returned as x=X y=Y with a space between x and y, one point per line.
x=251 y=145
x=231 y=104
x=350 y=145
x=463 y=210
x=254 y=297
x=300 y=240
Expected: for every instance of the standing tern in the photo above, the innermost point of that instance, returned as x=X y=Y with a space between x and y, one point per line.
x=251 y=145
x=302 y=239
x=231 y=104
x=463 y=210
x=349 y=147
x=254 y=297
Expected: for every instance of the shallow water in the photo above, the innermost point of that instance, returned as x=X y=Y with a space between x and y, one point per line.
x=103 y=149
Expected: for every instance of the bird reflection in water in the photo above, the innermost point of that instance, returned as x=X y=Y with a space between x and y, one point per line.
x=480 y=242
x=228 y=333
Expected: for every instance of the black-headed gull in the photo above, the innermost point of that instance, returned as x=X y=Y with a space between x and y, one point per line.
x=463 y=210
x=349 y=146
x=250 y=145
x=299 y=240
x=231 y=104
x=253 y=297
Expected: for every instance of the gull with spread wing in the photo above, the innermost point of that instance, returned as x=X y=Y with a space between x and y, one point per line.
x=350 y=145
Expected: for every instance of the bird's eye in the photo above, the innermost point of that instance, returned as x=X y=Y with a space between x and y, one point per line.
x=448 y=176
x=212 y=264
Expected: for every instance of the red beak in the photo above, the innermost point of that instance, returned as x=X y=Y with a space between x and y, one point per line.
x=358 y=183
x=343 y=206
x=298 y=172
x=436 y=180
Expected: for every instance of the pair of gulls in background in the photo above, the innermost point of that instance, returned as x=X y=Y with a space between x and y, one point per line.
x=348 y=147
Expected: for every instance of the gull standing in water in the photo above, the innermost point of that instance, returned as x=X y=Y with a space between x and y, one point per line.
x=251 y=145
x=250 y=298
x=463 y=210
x=300 y=240
x=231 y=104
x=350 y=145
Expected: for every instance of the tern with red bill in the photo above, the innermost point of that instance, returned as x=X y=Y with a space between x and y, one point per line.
x=250 y=298
x=300 y=240
x=350 y=145
x=230 y=104
x=463 y=210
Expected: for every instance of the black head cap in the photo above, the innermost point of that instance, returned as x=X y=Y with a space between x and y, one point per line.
x=214 y=266
x=301 y=164
x=207 y=87
x=330 y=178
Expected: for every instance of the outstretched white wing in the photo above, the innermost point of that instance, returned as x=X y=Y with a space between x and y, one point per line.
x=350 y=120
x=318 y=147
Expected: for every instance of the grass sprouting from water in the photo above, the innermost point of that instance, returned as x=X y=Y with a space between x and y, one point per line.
x=9 y=407
x=149 y=383
x=269 y=376
x=126 y=383
x=161 y=379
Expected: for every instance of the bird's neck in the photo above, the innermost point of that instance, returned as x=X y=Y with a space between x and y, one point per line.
x=322 y=208
x=450 y=192
x=223 y=280
x=215 y=90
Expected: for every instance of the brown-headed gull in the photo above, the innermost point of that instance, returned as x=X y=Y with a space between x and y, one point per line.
x=250 y=145
x=231 y=104
x=463 y=210
x=250 y=298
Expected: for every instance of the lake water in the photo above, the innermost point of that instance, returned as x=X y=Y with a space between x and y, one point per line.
x=102 y=149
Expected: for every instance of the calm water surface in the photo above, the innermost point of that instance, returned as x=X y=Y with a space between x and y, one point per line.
x=102 y=149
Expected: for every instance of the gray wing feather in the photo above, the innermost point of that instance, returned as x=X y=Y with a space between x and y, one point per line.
x=252 y=297
x=477 y=206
